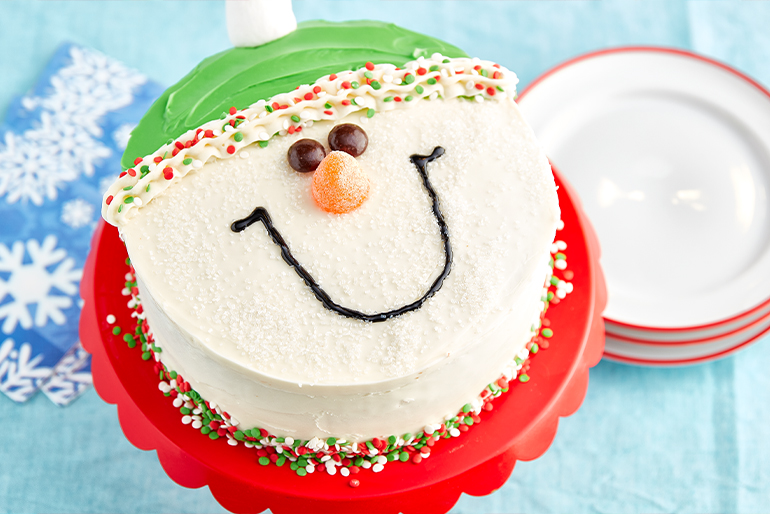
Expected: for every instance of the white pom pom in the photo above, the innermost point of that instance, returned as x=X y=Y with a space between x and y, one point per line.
x=256 y=22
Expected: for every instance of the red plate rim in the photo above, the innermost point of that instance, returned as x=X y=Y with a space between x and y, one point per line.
x=521 y=427
x=683 y=53
x=684 y=362
x=647 y=342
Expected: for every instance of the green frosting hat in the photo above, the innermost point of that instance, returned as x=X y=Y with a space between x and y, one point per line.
x=240 y=77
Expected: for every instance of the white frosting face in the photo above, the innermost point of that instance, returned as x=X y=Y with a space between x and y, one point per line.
x=239 y=323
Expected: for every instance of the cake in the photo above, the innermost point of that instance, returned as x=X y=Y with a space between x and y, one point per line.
x=340 y=241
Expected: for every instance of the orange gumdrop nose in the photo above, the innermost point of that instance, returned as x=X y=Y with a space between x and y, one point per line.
x=339 y=183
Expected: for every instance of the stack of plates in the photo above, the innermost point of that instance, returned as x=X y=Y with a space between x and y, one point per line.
x=670 y=153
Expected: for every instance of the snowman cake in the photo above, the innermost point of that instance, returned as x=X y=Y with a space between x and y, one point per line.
x=340 y=238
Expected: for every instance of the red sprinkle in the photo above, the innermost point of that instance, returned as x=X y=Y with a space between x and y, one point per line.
x=477 y=67
x=569 y=274
x=275 y=106
x=291 y=131
x=437 y=77
x=233 y=110
x=179 y=145
x=346 y=85
x=231 y=149
x=497 y=75
x=262 y=452
x=221 y=432
x=308 y=96
x=416 y=459
x=502 y=383
x=188 y=144
x=214 y=425
x=174 y=152
x=168 y=173
x=369 y=66
x=274 y=458
x=346 y=102
x=354 y=482
x=463 y=428
x=132 y=172
x=158 y=159
x=488 y=406
x=479 y=86
x=421 y=71
x=109 y=199
x=397 y=99
x=354 y=470
x=333 y=76
x=328 y=113
x=316 y=90
x=491 y=91
x=137 y=160
x=299 y=129
x=298 y=100
x=122 y=174
x=208 y=133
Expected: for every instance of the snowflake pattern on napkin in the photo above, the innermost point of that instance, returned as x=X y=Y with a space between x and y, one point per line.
x=60 y=147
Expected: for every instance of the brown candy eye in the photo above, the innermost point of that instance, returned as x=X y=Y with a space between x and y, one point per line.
x=305 y=155
x=348 y=138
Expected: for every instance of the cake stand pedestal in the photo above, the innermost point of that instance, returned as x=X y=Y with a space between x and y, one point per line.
x=521 y=426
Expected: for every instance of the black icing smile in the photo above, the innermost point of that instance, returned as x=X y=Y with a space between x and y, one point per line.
x=261 y=214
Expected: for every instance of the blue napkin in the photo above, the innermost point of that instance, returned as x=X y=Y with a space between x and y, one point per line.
x=60 y=147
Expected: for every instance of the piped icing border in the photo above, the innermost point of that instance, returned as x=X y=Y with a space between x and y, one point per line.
x=333 y=455
x=371 y=89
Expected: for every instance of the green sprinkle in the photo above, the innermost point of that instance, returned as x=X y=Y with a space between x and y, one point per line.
x=409 y=79
x=214 y=436
x=484 y=73
x=370 y=445
x=173 y=374
x=169 y=141
x=368 y=75
x=376 y=85
x=132 y=344
x=392 y=439
x=279 y=440
x=223 y=116
x=468 y=420
x=264 y=461
x=554 y=281
x=560 y=256
x=419 y=89
x=146 y=356
x=386 y=99
x=446 y=61
x=297 y=442
x=295 y=118
x=467 y=408
x=431 y=81
x=148 y=188
x=331 y=441
x=268 y=108
x=116 y=331
x=392 y=456
x=280 y=462
x=120 y=207
x=403 y=457
x=301 y=472
x=145 y=169
x=127 y=188
x=358 y=461
x=302 y=461
x=187 y=161
x=129 y=199
x=546 y=332
x=409 y=98
x=524 y=378
x=517 y=360
x=293 y=466
x=434 y=67
x=184 y=410
x=500 y=88
x=534 y=349
x=370 y=113
x=128 y=338
x=549 y=297
x=417 y=52
x=355 y=85
x=328 y=105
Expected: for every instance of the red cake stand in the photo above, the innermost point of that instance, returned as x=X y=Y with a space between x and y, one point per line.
x=521 y=426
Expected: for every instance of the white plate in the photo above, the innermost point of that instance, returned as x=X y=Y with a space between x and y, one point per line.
x=678 y=355
x=633 y=334
x=670 y=153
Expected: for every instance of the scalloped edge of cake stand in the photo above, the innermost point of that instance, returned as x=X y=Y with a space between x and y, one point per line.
x=476 y=475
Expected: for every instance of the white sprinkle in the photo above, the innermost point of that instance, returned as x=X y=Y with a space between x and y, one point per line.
x=454 y=432
x=344 y=472
x=178 y=402
x=310 y=468
x=110 y=319
x=244 y=154
x=569 y=287
x=232 y=442
x=264 y=136
x=366 y=464
x=286 y=124
x=331 y=470
x=561 y=245
x=229 y=128
x=321 y=94
x=186 y=420
x=387 y=78
x=196 y=424
x=561 y=294
x=560 y=225
x=289 y=441
x=197 y=164
x=433 y=95
x=163 y=386
x=479 y=98
x=560 y=264
x=326 y=458
x=377 y=468
x=382 y=460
